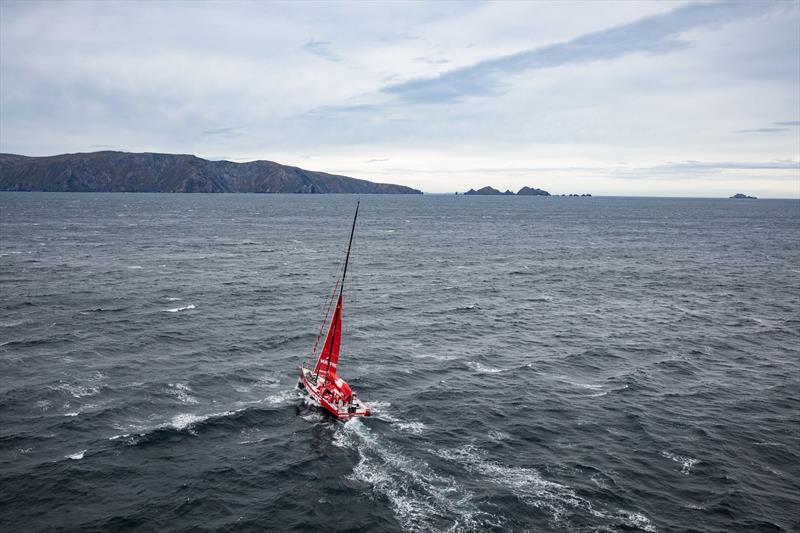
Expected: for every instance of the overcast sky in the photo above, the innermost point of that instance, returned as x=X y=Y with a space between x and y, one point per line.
x=631 y=98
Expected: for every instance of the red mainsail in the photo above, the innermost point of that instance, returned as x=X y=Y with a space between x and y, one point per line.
x=329 y=356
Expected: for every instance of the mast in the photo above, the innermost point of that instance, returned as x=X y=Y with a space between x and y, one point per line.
x=341 y=292
x=349 y=244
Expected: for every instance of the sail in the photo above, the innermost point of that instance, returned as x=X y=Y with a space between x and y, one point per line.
x=329 y=356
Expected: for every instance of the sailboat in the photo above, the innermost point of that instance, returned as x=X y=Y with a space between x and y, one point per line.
x=322 y=383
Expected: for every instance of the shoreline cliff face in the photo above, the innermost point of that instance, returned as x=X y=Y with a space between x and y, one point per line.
x=153 y=172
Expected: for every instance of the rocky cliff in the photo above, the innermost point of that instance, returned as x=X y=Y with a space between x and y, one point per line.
x=151 y=172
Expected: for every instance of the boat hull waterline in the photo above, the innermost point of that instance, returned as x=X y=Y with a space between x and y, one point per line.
x=333 y=404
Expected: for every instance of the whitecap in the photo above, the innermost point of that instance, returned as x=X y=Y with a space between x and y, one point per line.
x=638 y=520
x=185 y=420
x=76 y=456
x=380 y=410
x=283 y=397
x=411 y=427
x=585 y=385
x=74 y=413
x=483 y=369
x=314 y=417
x=78 y=391
x=172 y=299
x=686 y=462
x=377 y=406
x=437 y=357
x=182 y=392
x=135 y=267
x=498 y=435
x=176 y=309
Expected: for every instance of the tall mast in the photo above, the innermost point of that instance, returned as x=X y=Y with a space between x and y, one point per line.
x=341 y=288
x=347 y=259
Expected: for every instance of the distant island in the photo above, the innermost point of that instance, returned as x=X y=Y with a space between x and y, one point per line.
x=152 y=172
x=525 y=191
x=740 y=196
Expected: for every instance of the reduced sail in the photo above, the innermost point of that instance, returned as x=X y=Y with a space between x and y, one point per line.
x=329 y=356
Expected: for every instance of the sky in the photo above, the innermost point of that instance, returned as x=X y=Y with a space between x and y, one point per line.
x=664 y=98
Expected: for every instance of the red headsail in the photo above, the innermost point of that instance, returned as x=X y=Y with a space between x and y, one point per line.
x=329 y=356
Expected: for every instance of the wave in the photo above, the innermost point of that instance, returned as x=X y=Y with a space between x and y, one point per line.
x=597 y=390
x=498 y=435
x=528 y=485
x=380 y=410
x=420 y=498
x=193 y=423
x=686 y=462
x=182 y=392
x=176 y=309
x=284 y=397
x=437 y=357
x=75 y=390
x=482 y=369
x=76 y=456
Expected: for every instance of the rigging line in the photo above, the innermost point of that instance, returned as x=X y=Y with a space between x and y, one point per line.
x=341 y=293
x=324 y=322
x=327 y=312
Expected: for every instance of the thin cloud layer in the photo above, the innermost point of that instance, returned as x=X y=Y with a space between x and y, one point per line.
x=656 y=34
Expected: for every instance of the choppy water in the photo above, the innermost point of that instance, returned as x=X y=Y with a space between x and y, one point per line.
x=533 y=363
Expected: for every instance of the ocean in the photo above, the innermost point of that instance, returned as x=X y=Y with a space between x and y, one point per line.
x=533 y=364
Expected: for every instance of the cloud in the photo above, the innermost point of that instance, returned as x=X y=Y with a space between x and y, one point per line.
x=104 y=147
x=230 y=132
x=763 y=130
x=710 y=166
x=655 y=34
x=375 y=160
x=321 y=49
x=676 y=167
x=789 y=123
x=431 y=60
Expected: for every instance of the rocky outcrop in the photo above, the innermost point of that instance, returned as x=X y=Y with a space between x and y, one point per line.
x=527 y=191
x=484 y=191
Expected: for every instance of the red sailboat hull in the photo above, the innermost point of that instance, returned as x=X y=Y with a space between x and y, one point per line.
x=331 y=395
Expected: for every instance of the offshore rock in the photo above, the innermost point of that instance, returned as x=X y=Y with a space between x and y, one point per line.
x=484 y=191
x=527 y=191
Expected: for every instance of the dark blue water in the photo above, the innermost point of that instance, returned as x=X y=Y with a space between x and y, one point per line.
x=533 y=363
